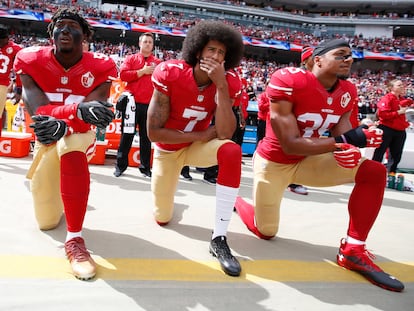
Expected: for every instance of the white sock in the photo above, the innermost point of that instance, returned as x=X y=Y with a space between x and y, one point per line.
x=225 y=199
x=354 y=241
x=71 y=235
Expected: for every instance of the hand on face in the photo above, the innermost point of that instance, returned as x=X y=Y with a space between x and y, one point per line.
x=211 y=66
x=215 y=70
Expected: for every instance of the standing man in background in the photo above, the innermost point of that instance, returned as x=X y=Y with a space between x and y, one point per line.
x=391 y=110
x=136 y=71
x=8 y=51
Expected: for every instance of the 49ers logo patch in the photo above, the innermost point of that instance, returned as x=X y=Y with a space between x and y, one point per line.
x=346 y=98
x=87 y=79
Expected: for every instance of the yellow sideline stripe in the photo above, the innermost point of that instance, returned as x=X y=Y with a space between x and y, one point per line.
x=28 y=267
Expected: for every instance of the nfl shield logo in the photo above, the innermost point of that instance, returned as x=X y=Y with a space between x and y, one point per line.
x=64 y=80
x=329 y=100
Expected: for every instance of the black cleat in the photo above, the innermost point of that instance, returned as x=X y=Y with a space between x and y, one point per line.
x=220 y=249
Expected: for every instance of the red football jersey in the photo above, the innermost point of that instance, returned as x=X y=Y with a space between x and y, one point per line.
x=191 y=108
x=244 y=103
x=387 y=108
x=263 y=106
x=316 y=110
x=65 y=87
x=7 y=55
x=141 y=88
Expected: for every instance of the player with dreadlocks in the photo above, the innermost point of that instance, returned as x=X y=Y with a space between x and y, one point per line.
x=65 y=90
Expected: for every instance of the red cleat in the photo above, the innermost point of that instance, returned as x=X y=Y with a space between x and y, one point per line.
x=359 y=259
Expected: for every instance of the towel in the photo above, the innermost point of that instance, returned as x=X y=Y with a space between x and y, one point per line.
x=129 y=114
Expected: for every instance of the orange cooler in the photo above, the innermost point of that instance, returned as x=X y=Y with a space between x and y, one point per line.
x=134 y=156
x=100 y=152
x=15 y=144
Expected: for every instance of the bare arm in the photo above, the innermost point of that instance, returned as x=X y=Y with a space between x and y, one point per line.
x=33 y=96
x=225 y=121
x=158 y=114
x=99 y=93
x=343 y=125
x=284 y=125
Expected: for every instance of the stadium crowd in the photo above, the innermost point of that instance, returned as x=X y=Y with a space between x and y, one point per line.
x=177 y=20
x=371 y=85
x=268 y=6
x=51 y=6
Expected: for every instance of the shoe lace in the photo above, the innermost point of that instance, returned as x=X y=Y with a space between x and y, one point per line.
x=76 y=249
x=365 y=258
x=222 y=249
x=370 y=255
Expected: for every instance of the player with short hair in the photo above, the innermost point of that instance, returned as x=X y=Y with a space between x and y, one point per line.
x=304 y=106
x=65 y=89
x=188 y=94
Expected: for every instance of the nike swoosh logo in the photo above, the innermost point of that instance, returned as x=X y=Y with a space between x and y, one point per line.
x=224 y=219
x=92 y=113
x=57 y=129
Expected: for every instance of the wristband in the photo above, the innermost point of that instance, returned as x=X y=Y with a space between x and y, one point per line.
x=341 y=139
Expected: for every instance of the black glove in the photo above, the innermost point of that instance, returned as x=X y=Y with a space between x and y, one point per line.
x=355 y=137
x=96 y=113
x=122 y=103
x=48 y=129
